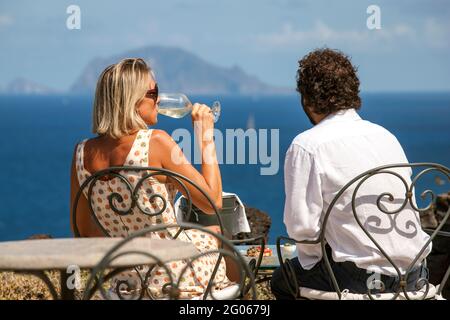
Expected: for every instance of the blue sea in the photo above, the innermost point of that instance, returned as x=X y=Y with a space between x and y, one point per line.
x=39 y=134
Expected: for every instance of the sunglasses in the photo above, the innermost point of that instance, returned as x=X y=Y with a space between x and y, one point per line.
x=153 y=93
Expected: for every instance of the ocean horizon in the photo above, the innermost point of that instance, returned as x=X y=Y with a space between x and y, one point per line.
x=40 y=132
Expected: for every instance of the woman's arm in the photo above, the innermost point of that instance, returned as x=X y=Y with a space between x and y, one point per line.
x=172 y=158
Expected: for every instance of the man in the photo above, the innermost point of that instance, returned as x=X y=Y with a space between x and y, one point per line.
x=319 y=162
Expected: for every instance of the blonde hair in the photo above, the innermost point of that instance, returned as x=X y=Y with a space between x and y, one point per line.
x=120 y=88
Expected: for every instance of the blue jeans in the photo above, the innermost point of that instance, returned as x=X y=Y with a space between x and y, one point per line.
x=348 y=276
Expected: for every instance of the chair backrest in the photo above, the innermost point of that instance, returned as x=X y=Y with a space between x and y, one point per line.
x=126 y=206
x=351 y=190
x=393 y=171
x=135 y=186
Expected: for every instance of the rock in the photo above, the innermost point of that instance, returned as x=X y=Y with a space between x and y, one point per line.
x=442 y=205
x=260 y=223
x=439 y=258
x=428 y=219
x=432 y=217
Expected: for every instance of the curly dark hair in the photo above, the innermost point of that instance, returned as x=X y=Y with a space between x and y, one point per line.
x=327 y=80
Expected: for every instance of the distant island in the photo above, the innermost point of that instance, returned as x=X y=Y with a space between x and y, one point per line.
x=180 y=71
x=24 y=86
x=176 y=70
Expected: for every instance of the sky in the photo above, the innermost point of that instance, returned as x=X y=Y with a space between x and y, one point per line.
x=264 y=37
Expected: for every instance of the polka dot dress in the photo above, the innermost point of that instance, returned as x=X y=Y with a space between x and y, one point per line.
x=113 y=196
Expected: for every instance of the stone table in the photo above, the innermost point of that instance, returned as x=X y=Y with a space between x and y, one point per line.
x=36 y=256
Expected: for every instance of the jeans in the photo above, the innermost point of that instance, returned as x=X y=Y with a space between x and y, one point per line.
x=348 y=276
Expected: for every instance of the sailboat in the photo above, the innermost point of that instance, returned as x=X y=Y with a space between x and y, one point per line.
x=251 y=121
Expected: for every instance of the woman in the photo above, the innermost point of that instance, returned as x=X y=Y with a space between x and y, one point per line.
x=126 y=102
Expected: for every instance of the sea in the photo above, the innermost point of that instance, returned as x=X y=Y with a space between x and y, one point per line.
x=39 y=134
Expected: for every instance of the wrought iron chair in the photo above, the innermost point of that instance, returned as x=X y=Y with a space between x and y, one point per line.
x=132 y=205
x=170 y=291
x=425 y=290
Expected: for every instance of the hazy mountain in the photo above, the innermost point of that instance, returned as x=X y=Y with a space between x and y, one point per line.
x=25 y=86
x=180 y=71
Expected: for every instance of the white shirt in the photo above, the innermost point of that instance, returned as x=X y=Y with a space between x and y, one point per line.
x=319 y=162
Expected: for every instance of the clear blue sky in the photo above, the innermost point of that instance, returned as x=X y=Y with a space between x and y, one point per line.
x=265 y=37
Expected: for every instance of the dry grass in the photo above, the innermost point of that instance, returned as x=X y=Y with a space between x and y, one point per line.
x=15 y=286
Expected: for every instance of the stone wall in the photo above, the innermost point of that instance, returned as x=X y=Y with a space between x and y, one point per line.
x=439 y=258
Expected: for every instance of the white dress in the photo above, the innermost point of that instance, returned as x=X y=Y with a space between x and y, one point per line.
x=195 y=280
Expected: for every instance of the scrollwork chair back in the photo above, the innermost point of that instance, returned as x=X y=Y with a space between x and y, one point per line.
x=128 y=190
x=389 y=205
x=125 y=201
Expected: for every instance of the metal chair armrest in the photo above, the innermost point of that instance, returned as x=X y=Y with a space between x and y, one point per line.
x=439 y=233
x=262 y=242
x=287 y=269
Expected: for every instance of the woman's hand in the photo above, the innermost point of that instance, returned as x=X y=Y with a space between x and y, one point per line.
x=203 y=122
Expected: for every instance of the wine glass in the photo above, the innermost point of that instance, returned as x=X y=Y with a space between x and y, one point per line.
x=177 y=105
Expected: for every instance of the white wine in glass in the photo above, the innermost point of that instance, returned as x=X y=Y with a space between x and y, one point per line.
x=177 y=105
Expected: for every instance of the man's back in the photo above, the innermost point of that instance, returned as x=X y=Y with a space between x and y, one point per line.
x=319 y=162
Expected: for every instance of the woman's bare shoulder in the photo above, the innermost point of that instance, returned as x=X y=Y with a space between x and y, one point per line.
x=161 y=137
x=91 y=141
x=159 y=133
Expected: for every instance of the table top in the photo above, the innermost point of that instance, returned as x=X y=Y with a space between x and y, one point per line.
x=47 y=254
x=272 y=261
